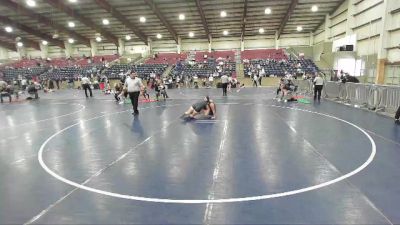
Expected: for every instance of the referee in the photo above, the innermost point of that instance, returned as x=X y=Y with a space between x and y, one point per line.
x=224 y=81
x=86 y=86
x=134 y=85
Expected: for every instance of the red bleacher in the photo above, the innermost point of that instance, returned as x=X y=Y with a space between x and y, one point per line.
x=230 y=55
x=24 y=63
x=167 y=58
x=61 y=62
x=96 y=59
x=277 y=54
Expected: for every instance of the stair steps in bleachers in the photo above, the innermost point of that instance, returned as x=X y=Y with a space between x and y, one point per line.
x=167 y=71
x=238 y=57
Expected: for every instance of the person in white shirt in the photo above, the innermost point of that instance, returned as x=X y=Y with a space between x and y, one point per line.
x=255 y=80
x=24 y=83
x=86 y=86
x=318 y=85
x=224 y=81
x=211 y=80
x=134 y=86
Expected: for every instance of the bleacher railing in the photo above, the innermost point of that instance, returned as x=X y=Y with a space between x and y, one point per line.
x=378 y=98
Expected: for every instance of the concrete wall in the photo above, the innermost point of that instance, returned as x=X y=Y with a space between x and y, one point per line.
x=376 y=24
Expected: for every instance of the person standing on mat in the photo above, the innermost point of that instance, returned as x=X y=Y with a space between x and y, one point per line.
x=224 y=81
x=318 y=85
x=86 y=86
x=397 y=117
x=134 y=85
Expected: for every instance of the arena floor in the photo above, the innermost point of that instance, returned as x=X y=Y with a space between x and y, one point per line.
x=66 y=159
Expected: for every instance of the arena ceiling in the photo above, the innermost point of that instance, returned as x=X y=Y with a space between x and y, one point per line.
x=49 y=20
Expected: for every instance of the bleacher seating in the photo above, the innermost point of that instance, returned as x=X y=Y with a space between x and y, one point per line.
x=143 y=70
x=205 y=69
x=13 y=73
x=226 y=55
x=96 y=60
x=68 y=72
x=279 y=68
x=277 y=54
x=167 y=58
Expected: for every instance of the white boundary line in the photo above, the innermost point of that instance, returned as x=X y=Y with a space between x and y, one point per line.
x=225 y=200
x=51 y=118
x=211 y=195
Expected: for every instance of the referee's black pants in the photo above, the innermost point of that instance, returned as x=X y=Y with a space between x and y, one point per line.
x=134 y=96
x=224 y=89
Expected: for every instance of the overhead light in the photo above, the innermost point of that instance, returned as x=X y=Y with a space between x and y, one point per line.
x=268 y=11
x=44 y=42
x=142 y=19
x=71 y=24
x=225 y=32
x=20 y=44
x=299 y=28
x=223 y=14
x=98 y=39
x=71 y=41
x=128 y=37
x=314 y=8
x=191 y=34
x=31 y=3
x=73 y=1
x=159 y=36
x=181 y=16
x=106 y=21
x=8 y=29
x=261 y=30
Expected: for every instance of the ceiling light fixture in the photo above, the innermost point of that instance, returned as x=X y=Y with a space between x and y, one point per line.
x=191 y=34
x=223 y=14
x=314 y=8
x=20 y=44
x=73 y=1
x=299 y=28
x=8 y=29
x=181 y=16
x=159 y=36
x=268 y=11
x=71 y=41
x=225 y=32
x=142 y=19
x=31 y=3
x=127 y=37
x=44 y=42
x=261 y=30
x=71 y=24
x=106 y=21
x=98 y=39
